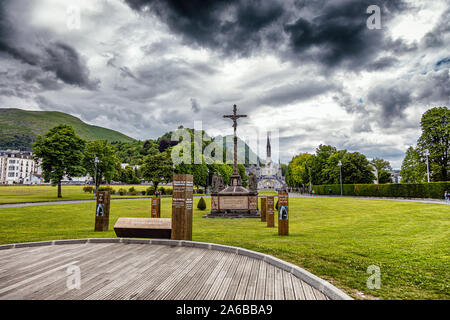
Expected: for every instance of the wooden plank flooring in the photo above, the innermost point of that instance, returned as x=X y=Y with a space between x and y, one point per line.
x=117 y=271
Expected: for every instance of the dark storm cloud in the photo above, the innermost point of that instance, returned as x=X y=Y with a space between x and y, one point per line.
x=338 y=34
x=382 y=63
x=195 y=106
x=291 y=93
x=54 y=56
x=232 y=26
x=394 y=97
x=332 y=33
x=393 y=101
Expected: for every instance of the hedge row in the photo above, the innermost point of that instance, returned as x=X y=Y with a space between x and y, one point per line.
x=434 y=190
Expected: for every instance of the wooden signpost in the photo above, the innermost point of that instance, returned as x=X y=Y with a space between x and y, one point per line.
x=182 y=197
x=263 y=209
x=102 y=211
x=283 y=214
x=156 y=207
x=269 y=212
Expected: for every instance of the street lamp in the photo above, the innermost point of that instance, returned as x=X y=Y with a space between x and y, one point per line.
x=427 y=153
x=95 y=178
x=310 y=182
x=340 y=173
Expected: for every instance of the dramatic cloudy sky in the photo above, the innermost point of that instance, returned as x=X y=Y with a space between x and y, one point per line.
x=310 y=70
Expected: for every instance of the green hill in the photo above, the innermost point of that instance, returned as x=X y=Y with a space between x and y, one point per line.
x=19 y=128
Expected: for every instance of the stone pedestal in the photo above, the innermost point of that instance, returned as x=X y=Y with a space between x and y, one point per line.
x=234 y=202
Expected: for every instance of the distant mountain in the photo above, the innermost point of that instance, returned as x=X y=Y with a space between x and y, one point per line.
x=19 y=128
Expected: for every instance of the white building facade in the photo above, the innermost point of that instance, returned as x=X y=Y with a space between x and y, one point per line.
x=19 y=167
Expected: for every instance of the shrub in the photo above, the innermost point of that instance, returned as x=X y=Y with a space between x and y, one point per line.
x=131 y=190
x=133 y=193
x=434 y=190
x=88 y=189
x=162 y=190
x=199 y=191
x=122 y=191
x=169 y=191
x=107 y=188
x=201 y=204
x=150 y=191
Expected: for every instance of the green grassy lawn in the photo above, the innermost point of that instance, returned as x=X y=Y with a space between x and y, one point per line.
x=16 y=194
x=336 y=239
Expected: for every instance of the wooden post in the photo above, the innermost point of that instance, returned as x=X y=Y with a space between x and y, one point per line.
x=283 y=214
x=269 y=212
x=156 y=207
x=182 y=206
x=102 y=211
x=263 y=209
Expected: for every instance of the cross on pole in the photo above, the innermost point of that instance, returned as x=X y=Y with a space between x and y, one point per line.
x=235 y=117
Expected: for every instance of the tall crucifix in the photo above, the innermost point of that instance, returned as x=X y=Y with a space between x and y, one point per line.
x=234 y=117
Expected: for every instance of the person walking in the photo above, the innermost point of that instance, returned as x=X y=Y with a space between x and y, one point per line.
x=447 y=197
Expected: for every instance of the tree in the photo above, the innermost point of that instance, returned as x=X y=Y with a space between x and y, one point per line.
x=107 y=160
x=241 y=171
x=414 y=170
x=163 y=144
x=435 y=139
x=157 y=168
x=356 y=169
x=61 y=153
x=298 y=170
x=320 y=164
x=383 y=167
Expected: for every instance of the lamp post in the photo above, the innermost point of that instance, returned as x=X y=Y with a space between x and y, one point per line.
x=310 y=182
x=95 y=178
x=427 y=153
x=340 y=174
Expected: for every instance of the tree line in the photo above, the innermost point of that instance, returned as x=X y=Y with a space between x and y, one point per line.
x=62 y=153
x=324 y=167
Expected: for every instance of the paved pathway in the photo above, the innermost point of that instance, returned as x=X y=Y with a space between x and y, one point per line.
x=145 y=271
x=292 y=195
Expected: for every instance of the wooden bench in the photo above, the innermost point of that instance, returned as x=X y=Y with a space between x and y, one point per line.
x=159 y=228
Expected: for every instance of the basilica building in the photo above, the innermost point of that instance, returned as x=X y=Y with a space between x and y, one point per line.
x=269 y=176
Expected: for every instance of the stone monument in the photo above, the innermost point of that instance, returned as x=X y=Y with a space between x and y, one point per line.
x=233 y=201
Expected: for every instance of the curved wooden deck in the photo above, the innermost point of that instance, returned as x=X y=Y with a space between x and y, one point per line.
x=143 y=271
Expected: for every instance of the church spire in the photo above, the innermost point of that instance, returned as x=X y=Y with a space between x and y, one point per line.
x=268 y=150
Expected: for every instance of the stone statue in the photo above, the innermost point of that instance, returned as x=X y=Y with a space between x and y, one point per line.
x=215 y=183
x=221 y=183
x=252 y=183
